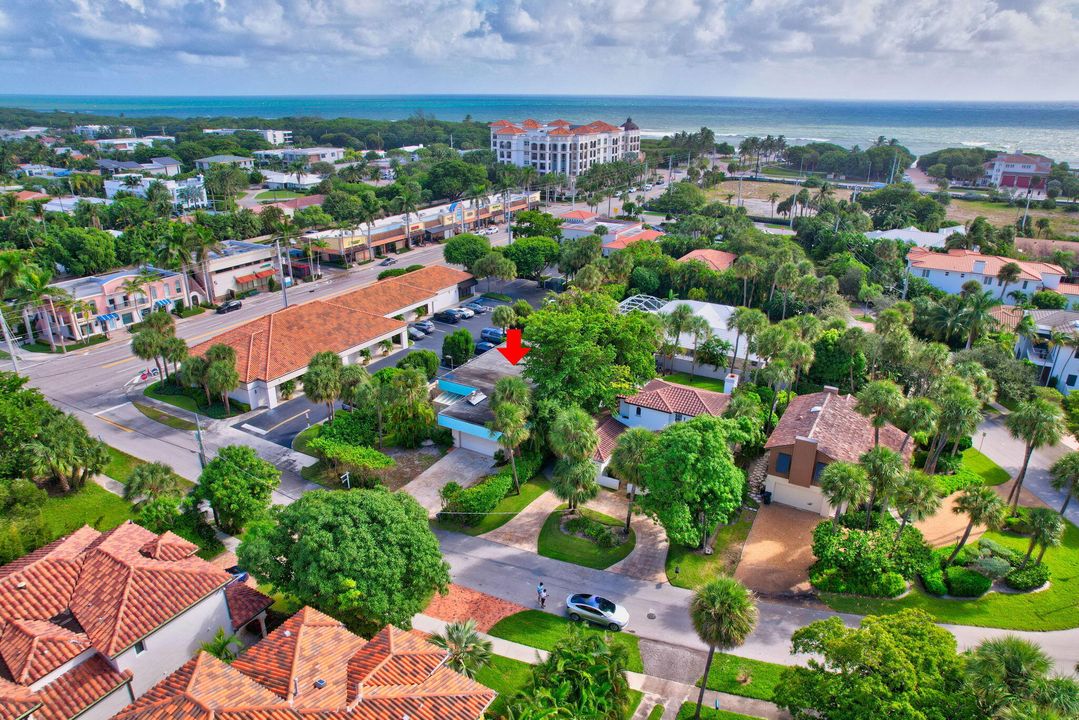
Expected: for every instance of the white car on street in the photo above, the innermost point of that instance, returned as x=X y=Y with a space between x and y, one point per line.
x=598 y=610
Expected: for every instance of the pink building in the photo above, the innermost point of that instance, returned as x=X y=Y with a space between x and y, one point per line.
x=102 y=303
x=1018 y=170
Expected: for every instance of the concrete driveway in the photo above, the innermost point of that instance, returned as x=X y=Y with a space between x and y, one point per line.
x=778 y=552
x=463 y=467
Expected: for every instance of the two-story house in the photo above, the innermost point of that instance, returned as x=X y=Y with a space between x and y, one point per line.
x=313 y=667
x=1017 y=170
x=949 y=271
x=655 y=406
x=92 y=621
x=815 y=430
x=1053 y=359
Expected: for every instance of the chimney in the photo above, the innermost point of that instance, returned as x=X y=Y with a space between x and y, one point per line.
x=979 y=267
x=831 y=389
x=730 y=383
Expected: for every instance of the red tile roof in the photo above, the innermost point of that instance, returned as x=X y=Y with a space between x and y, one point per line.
x=530 y=124
x=395 y=674
x=1007 y=315
x=16 y=701
x=718 y=260
x=959 y=260
x=79 y=688
x=560 y=132
x=1068 y=288
x=626 y=240
x=577 y=215
x=840 y=431
x=32 y=649
x=671 y=397
x=558 y=123
x=245 y=603
x=30 y=195
x=608 y=429
x=508 y=130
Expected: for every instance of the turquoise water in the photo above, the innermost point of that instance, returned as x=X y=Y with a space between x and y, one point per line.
x=1048 y=128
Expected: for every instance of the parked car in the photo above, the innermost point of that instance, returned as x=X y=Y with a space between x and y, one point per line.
x=227 y=307
x=416 y=333
x=482 y=347
x=492 y=334
x=447 y=316
x=424 y=326
x=389 y=261
x=596 y=609
x=478 y=307
x=465 y=312
x=660 y=181
x=238 y=573
x=648 y=186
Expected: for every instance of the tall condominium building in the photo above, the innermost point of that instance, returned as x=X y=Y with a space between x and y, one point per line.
x=561 y=147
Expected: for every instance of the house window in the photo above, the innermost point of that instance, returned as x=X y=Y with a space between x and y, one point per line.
x=1025 y=284
x=127 y=318
x=783 y=463
x=638 y=410
x=1071 y=380
x=817 y=470
x=140 y=647
x=679 y=417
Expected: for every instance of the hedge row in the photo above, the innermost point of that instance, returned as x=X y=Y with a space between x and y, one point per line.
x=467 y=506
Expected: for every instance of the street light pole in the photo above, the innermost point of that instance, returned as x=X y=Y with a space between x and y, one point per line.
x=198 y=437
x=281 y=270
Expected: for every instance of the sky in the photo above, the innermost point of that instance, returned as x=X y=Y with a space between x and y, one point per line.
x=867 y=49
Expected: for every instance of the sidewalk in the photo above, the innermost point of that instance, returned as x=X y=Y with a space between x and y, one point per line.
x=669 y=693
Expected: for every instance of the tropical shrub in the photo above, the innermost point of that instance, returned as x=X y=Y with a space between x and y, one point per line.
x=469 y=505
x=992 y=567
x=861 y=562
x=963 y=582
x=933 y=581
x=1020 y=523
x=1014 y=557
x=1031 y=577
x=358 y=427
x=425 y=360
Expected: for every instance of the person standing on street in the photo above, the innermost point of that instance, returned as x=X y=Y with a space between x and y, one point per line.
x=541 y=594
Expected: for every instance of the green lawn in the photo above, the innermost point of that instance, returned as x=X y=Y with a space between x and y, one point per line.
x=164 y=418
x=762 y=676
x=276 y=195
x=299 y=443
x=43 y=347
x=656 y=712
x=697 y=381
x=121 y=465
x=538 y=629
x=555 y=544
x=191 y=312
x=185 y=401
x=695 y=568
x=504 y=511
x=688 y=709
x=1051 y=609
x=505 y=676
x=89 y=505
x=991 y=473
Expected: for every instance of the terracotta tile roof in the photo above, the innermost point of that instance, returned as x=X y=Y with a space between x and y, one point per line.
x=245 y=603
x=433 y=278
x=32 y=649
x=16 y=701
x=382 y=297
x=40 y=584
x=509 y=130
x=718 y=260
x=500 y=123
x=169 y=546
x=1043 y=248
x=626 y=240
x=1007 y=315
x=608 y=429
x=530 y=124
x=1068 y=288
x=560 y=132
x=30 y=195
x=671 y=397
x=558 y=123
x=959 y=260
x=79 y=688
x=396 y=673
x=840 y=431
x=577 y=215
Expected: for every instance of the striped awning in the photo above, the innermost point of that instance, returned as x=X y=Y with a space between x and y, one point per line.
x=265 y=274
x=106 y=317
x=241 y=279
x=161 y=303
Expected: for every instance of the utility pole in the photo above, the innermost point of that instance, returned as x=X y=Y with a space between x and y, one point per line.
x=1026 y=210
x=198 y=437
x=670 y=170
x=281 y=270
x=10 y=344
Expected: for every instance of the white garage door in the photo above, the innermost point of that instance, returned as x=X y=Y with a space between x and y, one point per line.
x=476 y=444
x=799 y=497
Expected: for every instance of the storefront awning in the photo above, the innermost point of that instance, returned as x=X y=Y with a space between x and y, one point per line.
x=244 y=279
x=265 y=274
x=161 y=303
x=106 y=317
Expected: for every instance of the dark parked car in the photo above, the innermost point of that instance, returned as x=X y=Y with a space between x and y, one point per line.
x=448 y=316
x=482 y=347
x=416 y=334
x=237 y=573
x=478 y=307
x=424 y=326
x=227 y=307
x=388 y=261
x=492 y=335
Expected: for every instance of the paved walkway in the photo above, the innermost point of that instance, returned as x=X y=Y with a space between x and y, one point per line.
x=648 y=561
x=946 y=527
x=779 y=550
x=670 y=693
x=522 y=532
x=463 y=467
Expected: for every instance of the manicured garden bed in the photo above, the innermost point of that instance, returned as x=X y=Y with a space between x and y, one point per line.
x=505 y=511
x=697 y=381
x=192 y=400
x=695 y=568
x=557 y=542
x=505 y=676
x=742 y=676
x=542 y=630
x=1054 y=608
x=42 y=346
x=164 y=418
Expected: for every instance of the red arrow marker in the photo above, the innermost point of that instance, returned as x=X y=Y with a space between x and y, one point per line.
x=513 y=350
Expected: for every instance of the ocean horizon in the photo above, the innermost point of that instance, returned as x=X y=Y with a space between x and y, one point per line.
x=1048 y=128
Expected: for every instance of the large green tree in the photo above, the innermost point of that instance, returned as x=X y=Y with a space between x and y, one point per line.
x=692 y=480
x=238 y=485
x=465 y=249
x=533 y=255
x=366 y=555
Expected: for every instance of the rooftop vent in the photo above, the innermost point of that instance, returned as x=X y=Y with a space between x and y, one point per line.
x=21 y=585
x=816 y=409
x=319 y=684
x=476 y=398
x=287 y=633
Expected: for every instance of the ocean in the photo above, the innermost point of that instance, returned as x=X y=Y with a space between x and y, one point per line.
x=1051 y=129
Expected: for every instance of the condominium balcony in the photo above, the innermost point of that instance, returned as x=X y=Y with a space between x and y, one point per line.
x=1040 y=356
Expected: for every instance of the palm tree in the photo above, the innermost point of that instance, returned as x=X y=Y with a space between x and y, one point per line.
x=503 y=317
x=983 y=506
x=222 y=379
x=884 y=469
x=322 y=384
x=748 y=322
x=468 y=652
x=224 y=647
x=977 y=315
x=1046 y=530
x=1004 y=668
x=675 y=323
x=512 y=425
x=135 y=286
x=772 y=198
x=777 y=374
x=573 y=439
x=800 y=355
x=150 y=481
x=724 y=613
x=574 y=482
x=844 y=484
x=1038 y=423
x=512 y=390
x=916 y=499
x=406 y=202
x=746 y=268
x=1064 y=473
x=786 y=276
x=1007 y=274
x=699 y=328
x=627 y=461
x=879 y=401
x=30 y=290
x=11 y=264
x=919 y=415
x=147 y=345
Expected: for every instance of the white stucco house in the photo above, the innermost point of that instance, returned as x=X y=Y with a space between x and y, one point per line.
x=921 y=238
x=949 y=271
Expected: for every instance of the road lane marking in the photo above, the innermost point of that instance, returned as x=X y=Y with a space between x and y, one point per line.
x=254 y=429
x=115 y=424
x=107 y=410
x=219 y=330
x=118 y=362
x=287 y=420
